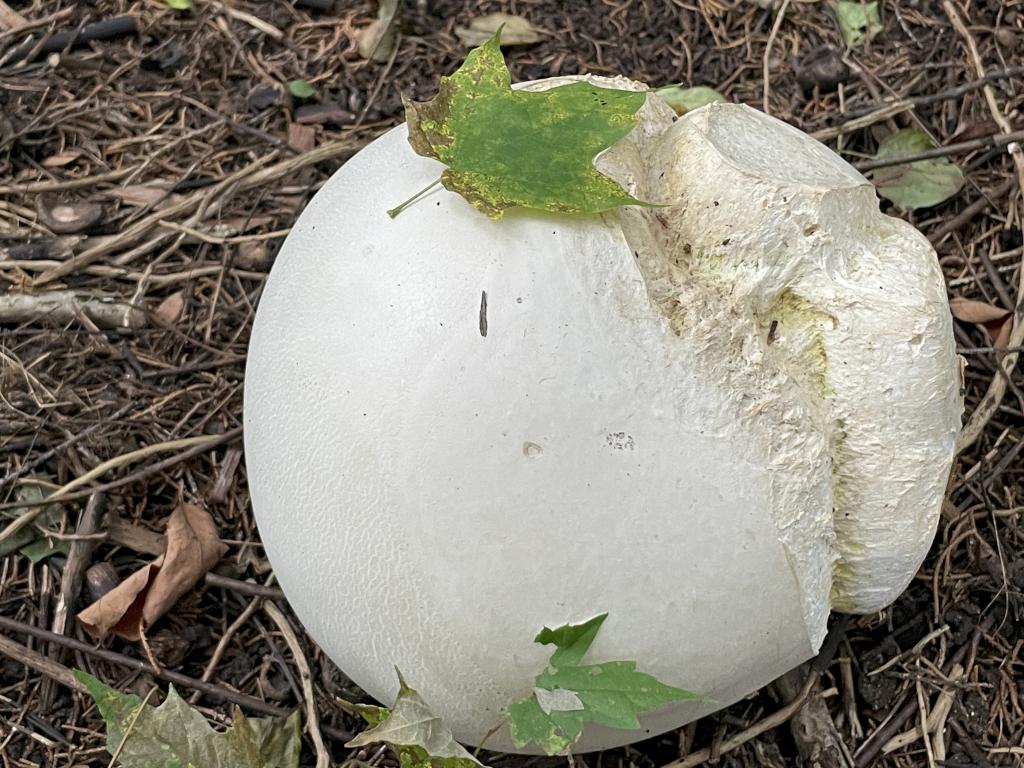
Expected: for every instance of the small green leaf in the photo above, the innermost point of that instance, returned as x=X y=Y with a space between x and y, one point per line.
x=684 y=100
x=300 y=89
x=509 y=149
x=28 y=539
x=179 y=5
x=921 y=184
x=175 y=735
x=858 y=21
x=569 y=694
x=415 y=733
x=42 y=548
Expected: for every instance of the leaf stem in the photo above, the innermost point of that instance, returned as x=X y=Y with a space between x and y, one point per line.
x=402 y=206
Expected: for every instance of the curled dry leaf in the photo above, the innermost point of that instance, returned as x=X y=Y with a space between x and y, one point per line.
x=61 y=159
x=156 y=195
x=301 y=138
x=377 y=41
x=171 y=308
x=996 y=321
x=193 y=548
x=971 y=311
x=515 y=30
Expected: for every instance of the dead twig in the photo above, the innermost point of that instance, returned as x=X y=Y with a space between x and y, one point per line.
x=323 y=758
x=217 y=692
x=773 y=720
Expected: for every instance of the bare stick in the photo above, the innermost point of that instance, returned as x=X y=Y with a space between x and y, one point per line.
x=971 y=211
x=250 y=177
x=323 y=758
x=997 y=388
x=217 y=692
x=27 y=517
x=773 y=720
x=135 y=476
x=67 y=306
x=108 y=29
x=10 y=19
x=997 y=140
x=38 y=662
x=79 y=556
x=766 y=73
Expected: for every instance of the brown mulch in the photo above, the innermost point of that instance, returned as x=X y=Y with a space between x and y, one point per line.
x=185 y=160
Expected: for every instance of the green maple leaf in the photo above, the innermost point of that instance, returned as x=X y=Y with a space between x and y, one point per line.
x=569 y=693
x=175 y=735
x=507 y=149
x=418 y=736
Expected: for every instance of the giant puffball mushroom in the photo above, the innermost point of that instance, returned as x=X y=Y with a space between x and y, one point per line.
x=715 y=420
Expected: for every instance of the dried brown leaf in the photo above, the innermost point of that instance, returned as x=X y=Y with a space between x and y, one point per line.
x=301 y=138
x=193 y=548
x=515 y=30
x=61 y=159
x=971 y=311
x=377 y=40
x=171 y=308
x=1000 y=334
x=145 y=195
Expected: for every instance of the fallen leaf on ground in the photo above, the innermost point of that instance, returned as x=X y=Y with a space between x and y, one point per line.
x=193 y=548
x=61 y=159
x=515 y=30
x=971 y=311
x=175 y=734
x=858 y=21
x=170 y=309
x=419 y=737
x=301 y=89
x=684 y=100
x=1000 y=332
x=28 y=540
x=920 y=184
x=476 y=123
x=377 y=40
x=301 y=138
x=155 y=194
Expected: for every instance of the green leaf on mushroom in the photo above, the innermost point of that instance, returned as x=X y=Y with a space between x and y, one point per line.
x=530 y=149
x=175 y=734
x=919 y=184
x=569 y=694
x=418 y=736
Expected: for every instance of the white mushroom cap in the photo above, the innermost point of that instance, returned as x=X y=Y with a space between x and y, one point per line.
x=713 y=421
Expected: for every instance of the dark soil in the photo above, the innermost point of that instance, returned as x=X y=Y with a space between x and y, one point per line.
x=173 y=144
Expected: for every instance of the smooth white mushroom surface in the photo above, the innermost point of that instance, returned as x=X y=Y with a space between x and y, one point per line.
x=715 y=420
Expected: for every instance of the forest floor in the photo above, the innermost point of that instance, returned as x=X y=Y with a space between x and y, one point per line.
x=162 y=167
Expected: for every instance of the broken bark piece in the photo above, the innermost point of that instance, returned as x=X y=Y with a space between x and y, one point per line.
x=70 y=218
x=107 y=312
x=323 y=114
x=108 y=29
